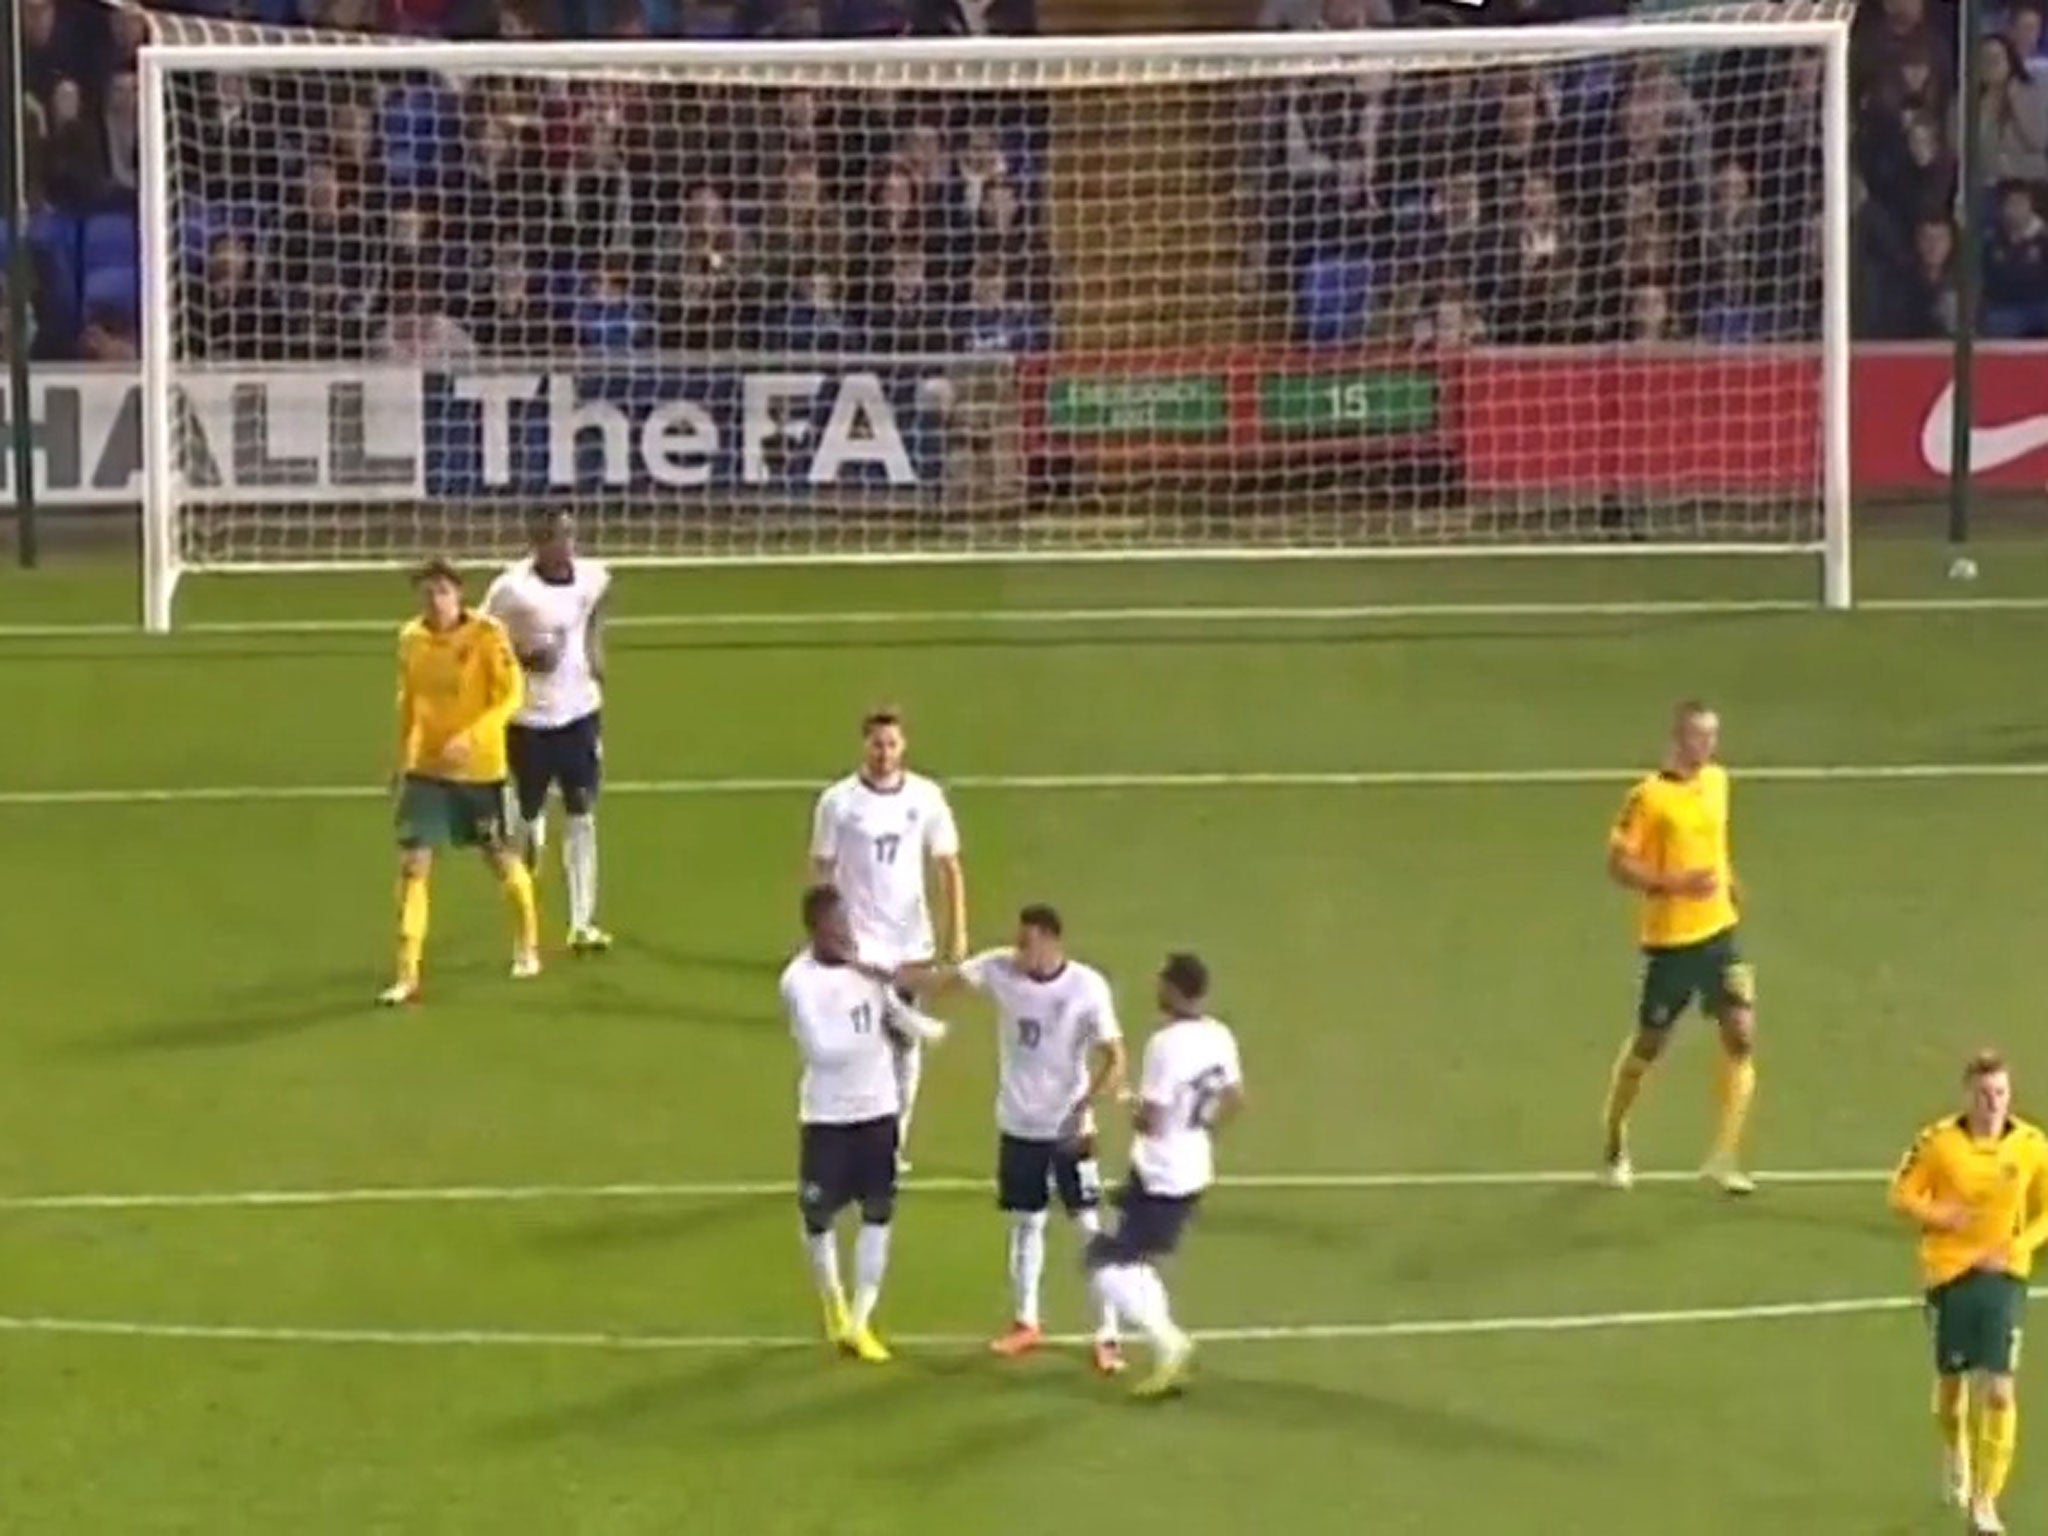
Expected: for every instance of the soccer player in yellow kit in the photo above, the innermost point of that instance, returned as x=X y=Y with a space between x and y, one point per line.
x=1976 y=1184
x=458 y=685
x=1670 y=845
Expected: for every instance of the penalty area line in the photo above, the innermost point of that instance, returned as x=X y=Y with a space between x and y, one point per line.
x=660 y=1343
x=1053 y=783
x=750 y=1189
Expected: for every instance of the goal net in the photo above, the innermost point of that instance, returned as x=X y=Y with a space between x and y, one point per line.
x=1568 y=289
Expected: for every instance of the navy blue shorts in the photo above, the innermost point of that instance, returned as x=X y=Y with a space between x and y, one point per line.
x=1149 y=1228
x=1029 y=1171
x=569 y=755
x=842 y=1165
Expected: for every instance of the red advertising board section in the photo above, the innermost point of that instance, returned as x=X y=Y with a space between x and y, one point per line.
x=1664 y=420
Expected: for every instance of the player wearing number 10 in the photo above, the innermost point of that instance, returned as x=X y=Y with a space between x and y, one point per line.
x=1976 y=1184
x=458 y=684
x=1670 y=845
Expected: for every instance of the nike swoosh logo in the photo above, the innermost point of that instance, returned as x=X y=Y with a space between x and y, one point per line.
x=1990 y=447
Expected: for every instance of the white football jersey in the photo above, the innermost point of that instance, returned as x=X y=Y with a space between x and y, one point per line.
x=878 y=842
x=1188 y=1064
x=536 y=611
x=840 y=1019
x=1046 y=1030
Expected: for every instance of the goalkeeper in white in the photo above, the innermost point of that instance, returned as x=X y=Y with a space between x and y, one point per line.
x=552 y=605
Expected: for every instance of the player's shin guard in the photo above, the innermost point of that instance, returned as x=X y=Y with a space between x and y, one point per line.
x=1624 y=1087
x=1027 y=1264
x=870 y=1265
x=579 y=868
x=1998 y=1438
x=1735 y=1089
x=519 y=896
x=909 y=1073
x=1089 y=1221
x=1134 y=1290
x=412 y=926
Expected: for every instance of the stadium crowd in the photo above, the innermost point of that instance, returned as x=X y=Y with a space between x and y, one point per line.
x=1615 y=199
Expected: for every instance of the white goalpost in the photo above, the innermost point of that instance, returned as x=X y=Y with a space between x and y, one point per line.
x=1564 y=290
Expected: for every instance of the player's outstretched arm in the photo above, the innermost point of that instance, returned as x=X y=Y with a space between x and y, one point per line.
x=953 y=885
x=593 y=637
x=2029 y=1239
x=910 y=1024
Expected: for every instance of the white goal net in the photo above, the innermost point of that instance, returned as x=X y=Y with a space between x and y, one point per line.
x=1554 y=289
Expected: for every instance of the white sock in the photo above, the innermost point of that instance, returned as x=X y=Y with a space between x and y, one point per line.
x=1134 y=1290
x=824 y=1251
x=870 y=1264
x=1027 y=1264
x=533 y=839
x=1088 y=1223
x=579 y=865
x=909 y=1073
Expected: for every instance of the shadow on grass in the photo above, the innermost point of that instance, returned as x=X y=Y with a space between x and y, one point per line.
x=617 y=1231
x=270 y=1010
x=677 y=957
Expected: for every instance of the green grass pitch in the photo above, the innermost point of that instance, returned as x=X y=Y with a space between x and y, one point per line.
x=1428 y=978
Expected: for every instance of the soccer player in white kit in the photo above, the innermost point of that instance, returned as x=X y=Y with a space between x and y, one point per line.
x=552 y=604
x=1061 y=1051
x=847 y=1107
x=873 y=834
x=1190 y=1084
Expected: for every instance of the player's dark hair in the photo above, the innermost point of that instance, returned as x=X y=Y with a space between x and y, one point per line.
x=1186 y=975
x=1984 y=1063
x=1041 y=917
x=545 y=525
x=440 y=568
x=820 y=901
x=1691 y=709
x=879 y=716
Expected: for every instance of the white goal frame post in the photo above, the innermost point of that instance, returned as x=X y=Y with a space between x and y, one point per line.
x=1038 y=64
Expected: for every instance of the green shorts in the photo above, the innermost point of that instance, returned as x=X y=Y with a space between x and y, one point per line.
x=1975 y=1320
x=1710 y=973
x=441 y=813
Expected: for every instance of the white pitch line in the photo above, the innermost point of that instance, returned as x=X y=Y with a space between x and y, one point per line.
x=744 y=1189
x=1310 y=613
x=1050 y=783
x=623 y=1343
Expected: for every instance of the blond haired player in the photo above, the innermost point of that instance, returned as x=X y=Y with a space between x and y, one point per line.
x=1976 y=1185
x=1670 y=846
x=458 y=685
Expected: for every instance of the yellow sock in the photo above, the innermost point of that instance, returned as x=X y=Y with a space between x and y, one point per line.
x=1952 y=1413
x=1623 y=1088
x=1737 y=1088
x=1998 y=1439
x=525 y=910
x=412 y=926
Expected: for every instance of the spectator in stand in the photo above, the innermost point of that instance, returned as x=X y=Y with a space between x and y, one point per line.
x=121 y=134
x=230 y=318
x=974 y=18
x=509 y=314
x=240 y=144
x=74 y=169
x=1539 y=301
x=929 y=165
x=909 y=317
x=2024 y=28
x=1886 y=35
x=109 y=335
x=127 y=31
x=417 y=329
x=609 y=318
x=707 y=282
x=1739 y=300
x=813 y=319
x=1927 y=296
x=1451 y=319
x=1919 y=177
x=996 y=321
x=52 y=48
x=326 y=261
x=1325 y=15
x=1652 y=318
x=2016 y=267
x=352 y=148
x=1520 y=136
x=1468 y=240
x=804 y=235
x=501 y=188
x=1909 y=86
x=1324 y=197
x=2013 y=114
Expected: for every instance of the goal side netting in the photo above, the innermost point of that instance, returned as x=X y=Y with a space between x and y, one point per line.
x=1568 y=289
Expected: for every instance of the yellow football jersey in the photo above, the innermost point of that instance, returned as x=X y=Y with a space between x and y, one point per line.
x=457 y=683
x=1671 y=825
x=2000 y=1181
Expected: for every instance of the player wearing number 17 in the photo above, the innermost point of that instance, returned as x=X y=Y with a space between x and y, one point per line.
x=1670 y=845
x=1976 y=1185
x=458 y=684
